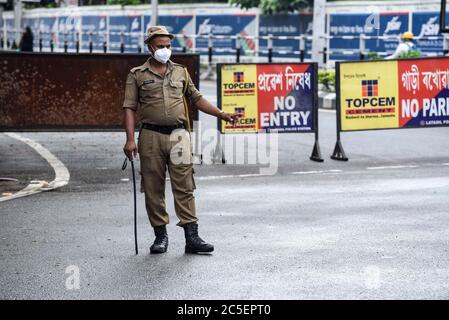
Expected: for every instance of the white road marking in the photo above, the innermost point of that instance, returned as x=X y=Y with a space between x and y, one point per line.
x=392 y=167
x=228 y=176
x=316 y=172
x=30 y=189
x=7 y=194
x=251 y=175
x=321 y=172
x=232 y=176
x=62 y=175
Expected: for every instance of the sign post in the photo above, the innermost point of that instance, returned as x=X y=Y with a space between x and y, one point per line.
x=443 y=25
x=279 y=97
x=393 y=94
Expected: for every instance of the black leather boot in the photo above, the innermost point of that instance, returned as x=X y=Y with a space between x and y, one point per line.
x=194 y=244
x=161 y=242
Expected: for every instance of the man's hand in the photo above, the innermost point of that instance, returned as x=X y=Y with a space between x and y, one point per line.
x=130 y=149
x=232 y=118
x=205 y=106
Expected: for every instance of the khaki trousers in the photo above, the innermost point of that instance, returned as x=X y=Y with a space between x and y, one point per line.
x=158 y=152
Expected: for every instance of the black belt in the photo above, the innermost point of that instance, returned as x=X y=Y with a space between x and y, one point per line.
x=162 y=129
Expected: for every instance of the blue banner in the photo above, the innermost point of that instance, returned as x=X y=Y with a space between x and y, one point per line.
x=384 y=24
x=97 y=26
x=68 y=26
x=182 y=25
x=10 y=34
x=131 y=26
x=306 y=28
x=47 y=31
x=291 y=25
x=427 y=25
x=424 y=24
x=226 y=25
x=346 y=25
x=391 y=25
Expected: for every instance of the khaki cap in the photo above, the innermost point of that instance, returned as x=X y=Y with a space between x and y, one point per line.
x=157 y=31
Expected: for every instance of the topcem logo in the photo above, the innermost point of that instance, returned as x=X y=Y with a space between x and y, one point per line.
x=240 y=111
x=370 y=101
x=239 y=86
x=239 y=76
x=369 y=88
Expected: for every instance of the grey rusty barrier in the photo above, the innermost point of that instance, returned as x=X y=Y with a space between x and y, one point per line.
x=57 y=91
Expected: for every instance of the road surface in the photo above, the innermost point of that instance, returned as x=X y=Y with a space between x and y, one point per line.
x=373 y=227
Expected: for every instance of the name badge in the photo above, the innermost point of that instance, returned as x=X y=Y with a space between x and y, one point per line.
x=147 y=81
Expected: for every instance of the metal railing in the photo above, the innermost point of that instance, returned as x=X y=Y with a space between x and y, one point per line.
x=94 y=41
x=79 y=39
x=362 y=50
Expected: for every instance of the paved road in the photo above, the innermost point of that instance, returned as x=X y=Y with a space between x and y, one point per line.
x=374 y=227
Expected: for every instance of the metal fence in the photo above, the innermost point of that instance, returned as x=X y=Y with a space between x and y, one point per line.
x=92 y=42
x=58 y=96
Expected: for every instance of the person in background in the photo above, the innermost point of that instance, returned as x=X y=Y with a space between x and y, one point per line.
x=405 y=46
x=26 y=43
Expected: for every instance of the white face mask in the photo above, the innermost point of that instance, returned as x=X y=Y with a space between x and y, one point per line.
x=162 y=55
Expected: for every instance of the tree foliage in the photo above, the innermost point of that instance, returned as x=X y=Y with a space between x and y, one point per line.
x=273 y=6
x=327 y=79
x=126 y=2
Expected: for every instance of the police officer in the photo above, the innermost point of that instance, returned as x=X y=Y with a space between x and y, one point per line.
x=154 y=97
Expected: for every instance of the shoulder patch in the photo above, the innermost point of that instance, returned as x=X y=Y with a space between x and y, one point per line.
x=178 y=65
x=133 y=70
x=140 y=68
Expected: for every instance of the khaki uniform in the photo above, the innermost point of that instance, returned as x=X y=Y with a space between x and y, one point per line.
x=159 y=101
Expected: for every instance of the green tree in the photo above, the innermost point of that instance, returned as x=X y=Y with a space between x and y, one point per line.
x=273 y=6
x=126 y=2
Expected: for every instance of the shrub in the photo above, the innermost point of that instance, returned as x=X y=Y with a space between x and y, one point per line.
x=327 y=79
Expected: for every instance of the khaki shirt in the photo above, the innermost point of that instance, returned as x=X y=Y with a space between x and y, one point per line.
x=158 y=100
